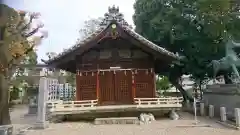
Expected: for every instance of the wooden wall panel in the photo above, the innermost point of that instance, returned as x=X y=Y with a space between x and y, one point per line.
x=106 y=88
x=86 y=86
x=123 y=87
x=144 y=83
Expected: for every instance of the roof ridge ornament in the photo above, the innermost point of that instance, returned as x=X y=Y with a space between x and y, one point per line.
x=113 y=14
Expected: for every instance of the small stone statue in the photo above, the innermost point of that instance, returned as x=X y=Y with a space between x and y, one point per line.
x=173 y=115
x=146 y=118
x=230 y=60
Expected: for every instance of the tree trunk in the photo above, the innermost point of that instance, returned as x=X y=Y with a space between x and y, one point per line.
x=200 y=89
x=227 y=79
x=4 y=106
x=185 y=95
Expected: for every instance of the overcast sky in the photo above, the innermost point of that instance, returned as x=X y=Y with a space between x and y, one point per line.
x=64 y=18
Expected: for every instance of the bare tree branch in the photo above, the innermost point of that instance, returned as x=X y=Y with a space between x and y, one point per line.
x=32 y=32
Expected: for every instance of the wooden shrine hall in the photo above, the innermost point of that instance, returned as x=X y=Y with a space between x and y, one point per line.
x=114 y=65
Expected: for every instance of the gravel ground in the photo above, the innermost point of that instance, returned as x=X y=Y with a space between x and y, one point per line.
x=159 y=127
x=19 y=120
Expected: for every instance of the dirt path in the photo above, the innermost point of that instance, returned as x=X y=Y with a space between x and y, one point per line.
x=19 y=120
x=160 y=127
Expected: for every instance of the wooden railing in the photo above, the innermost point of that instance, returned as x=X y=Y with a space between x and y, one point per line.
x=85 y=105
x=159 y=101
x=71 y=105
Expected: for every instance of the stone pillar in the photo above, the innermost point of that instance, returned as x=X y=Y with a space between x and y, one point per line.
x=223 y=114
x=237 y=116
x=42 y=98
x=202 y=109
x=211 y=111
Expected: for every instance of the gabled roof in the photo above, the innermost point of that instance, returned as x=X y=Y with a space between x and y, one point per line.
x=113 y=15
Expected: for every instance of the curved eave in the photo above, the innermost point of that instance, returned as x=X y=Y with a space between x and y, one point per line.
x=151 y=45
x=82 y=43
x=98 y=34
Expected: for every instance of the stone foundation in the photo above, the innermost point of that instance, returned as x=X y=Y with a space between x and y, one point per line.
x=32 y=109
x=6 y=130
x=122 y=120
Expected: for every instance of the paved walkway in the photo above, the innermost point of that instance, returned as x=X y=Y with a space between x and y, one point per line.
x=160 y=127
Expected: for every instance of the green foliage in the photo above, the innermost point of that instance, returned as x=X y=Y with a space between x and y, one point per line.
x=17 y=41
x=14 y=93
x=162 y=83
x=71 y=78
x=195 y=29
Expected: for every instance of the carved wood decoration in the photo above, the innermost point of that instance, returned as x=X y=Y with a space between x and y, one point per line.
x=86 y=86
x=144 y=83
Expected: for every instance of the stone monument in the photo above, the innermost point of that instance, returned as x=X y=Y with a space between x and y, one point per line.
x=230 y=60
x=32 y=108
x=225 y=95
x=42 y=99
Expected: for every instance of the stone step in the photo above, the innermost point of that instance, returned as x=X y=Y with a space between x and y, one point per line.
x=116 y=120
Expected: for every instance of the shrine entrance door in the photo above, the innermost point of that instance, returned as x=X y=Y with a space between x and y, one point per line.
x=115 y=87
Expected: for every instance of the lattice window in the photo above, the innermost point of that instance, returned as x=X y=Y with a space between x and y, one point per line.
x=124 y=87
x=144 y=84
x=87 y=87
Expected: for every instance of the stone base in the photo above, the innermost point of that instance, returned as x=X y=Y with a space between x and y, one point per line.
x=41 y=125
x=30 y=115
x=228 y=124
x=122 y=120
x=56 y=119
x=6 y=130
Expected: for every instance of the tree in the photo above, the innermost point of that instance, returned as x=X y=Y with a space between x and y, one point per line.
x=21 y=74
x=162 y=83
x=51 y=55
x=90 y=26
x=196 y=30
x=18 y=39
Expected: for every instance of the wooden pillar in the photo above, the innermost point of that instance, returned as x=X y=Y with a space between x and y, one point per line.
x=77 y=85
x=154 y=82
x=133 y=85
x=97 y=86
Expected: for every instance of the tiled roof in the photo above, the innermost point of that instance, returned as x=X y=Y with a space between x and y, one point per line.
x=114 y=15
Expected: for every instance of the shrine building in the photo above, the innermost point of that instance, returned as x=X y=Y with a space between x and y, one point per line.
x=114 y=65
